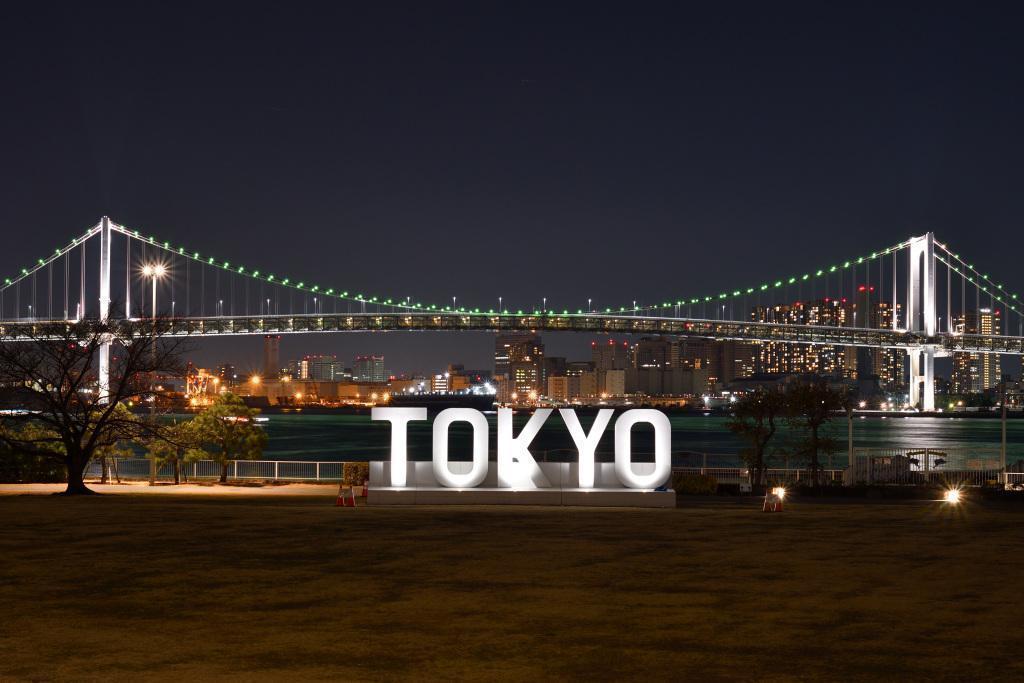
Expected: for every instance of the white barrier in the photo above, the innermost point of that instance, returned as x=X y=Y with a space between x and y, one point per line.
x=237 y=470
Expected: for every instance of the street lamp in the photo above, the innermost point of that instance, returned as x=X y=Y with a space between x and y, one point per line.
x=154 y=271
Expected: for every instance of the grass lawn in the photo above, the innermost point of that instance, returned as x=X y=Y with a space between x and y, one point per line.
x=168 y=587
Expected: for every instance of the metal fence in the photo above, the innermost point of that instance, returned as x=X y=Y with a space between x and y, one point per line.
x=928 y=466
x=742 y=475
x=206 y=470
x=899 y=467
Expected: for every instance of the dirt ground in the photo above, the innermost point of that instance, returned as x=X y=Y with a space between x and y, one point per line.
x=258 y=587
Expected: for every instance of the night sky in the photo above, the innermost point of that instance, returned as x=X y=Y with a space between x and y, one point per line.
x=612 y=151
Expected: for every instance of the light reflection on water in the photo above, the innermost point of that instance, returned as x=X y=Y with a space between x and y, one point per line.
x=356 y=437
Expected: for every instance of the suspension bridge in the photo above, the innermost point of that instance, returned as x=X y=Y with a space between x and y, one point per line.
x=892 y=298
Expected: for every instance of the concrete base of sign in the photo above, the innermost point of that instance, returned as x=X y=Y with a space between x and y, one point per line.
x=644 y=498
x=422 y=489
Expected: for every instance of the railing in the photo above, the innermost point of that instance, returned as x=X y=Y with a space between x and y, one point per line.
x=928 y=466
x=906 y=467
x=237 y=470
x=742 y=475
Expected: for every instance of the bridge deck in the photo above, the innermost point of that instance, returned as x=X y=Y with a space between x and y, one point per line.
x=593 y=323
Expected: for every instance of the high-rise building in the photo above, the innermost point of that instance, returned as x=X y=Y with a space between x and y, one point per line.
x=721 y=361
x=323 y=368
x=736 y=360
x=525 y=377
x=551 y=366
x=821 y=359
x=369 y=369
x=611 y=356
x=977 y=372
x=884 y=364
x=652 y=352
x=520 y=357
x=271 y=356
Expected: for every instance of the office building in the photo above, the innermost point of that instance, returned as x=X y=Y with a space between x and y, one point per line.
x=653 y=352
x=323 y=368
x=519 y=356
x=975 y=373
x=369 y=369
x=612 y=355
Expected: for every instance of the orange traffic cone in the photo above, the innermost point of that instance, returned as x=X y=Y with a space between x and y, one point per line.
x=343 y=500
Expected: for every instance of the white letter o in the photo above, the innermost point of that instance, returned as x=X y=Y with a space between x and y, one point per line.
x=478 y=472
x=662 y=449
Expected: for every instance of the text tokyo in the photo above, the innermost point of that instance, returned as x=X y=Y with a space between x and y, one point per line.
x=517 y=468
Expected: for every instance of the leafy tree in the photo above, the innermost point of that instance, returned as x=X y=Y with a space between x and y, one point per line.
x=177 y=442
x=811 y=405
x=226 y=431
x=108 y=453
x=19 y=466
x=754 y=419
x=53 y=368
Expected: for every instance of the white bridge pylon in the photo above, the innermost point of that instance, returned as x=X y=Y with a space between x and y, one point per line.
x=922 y=317
x=103 y=388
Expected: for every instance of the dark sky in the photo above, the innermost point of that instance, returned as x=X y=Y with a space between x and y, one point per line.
x=616 y=151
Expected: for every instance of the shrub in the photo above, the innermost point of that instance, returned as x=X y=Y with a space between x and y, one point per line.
x=695 y=484
x=20 y=468
x=355 y=473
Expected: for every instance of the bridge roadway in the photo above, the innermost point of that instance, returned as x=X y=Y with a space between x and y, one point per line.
x=591 y=323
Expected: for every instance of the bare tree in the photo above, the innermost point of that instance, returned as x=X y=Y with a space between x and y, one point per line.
x=51 y=371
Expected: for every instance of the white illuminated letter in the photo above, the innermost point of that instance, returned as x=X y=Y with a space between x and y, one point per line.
x=662 y=449
x=399 y=419
x=586 y=444
x=516 y=466
x=478 y=472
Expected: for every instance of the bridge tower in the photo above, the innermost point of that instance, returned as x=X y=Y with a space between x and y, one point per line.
x=922 y=319
x=104 y=369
